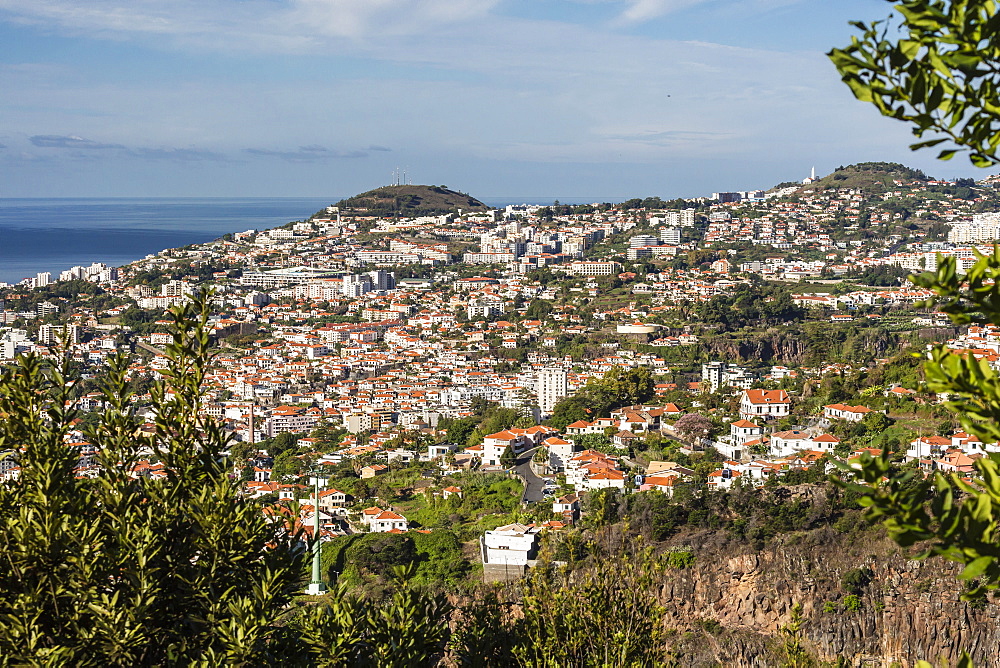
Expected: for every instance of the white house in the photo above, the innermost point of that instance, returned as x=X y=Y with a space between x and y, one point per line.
x=663 y=483
x=494 y=446
x=387 y=521
x=333 y=498
x=742 y=431
x=927 y=447
x=581 y=427
x=569 y=504
x=518 y=439
x=764 y=404
x=784 y=443
x=723 y=478
x=510 y=545
x=560 y=452
x=845 y=412
x=825 y=442
x=605 y=479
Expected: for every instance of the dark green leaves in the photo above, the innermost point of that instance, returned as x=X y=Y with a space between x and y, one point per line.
x=134 y=571
x=937 y=69
x=958 y=516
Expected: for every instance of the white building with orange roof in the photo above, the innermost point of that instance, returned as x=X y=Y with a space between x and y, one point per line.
x=742 y=431
x=825 y=443
x=560 y=452
x=927 y=447
x=723 y=478
x=386 y=521
x=605 y=479
x=494 y=445
x=845 y=412
x=784 y=443
x=570 y=503
x=764 y=404
x=660 y=483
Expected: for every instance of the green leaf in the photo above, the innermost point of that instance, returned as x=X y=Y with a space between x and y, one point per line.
x=976 y=568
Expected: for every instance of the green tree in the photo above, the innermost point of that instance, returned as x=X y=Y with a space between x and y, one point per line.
x=241 y=452
x=135 y=571
x=378 y=552
x=877 y=422
x=568 y=411
x=283 y=442
x=938 y=69
x=497 y=419
x=795 y=653
x=508 y=459
x=959 y=519
x=618 y=387
x=286 y=465
x=458 y=430
x=538 y=309
x=599 y=615
x=408 y=628
x=603 y=618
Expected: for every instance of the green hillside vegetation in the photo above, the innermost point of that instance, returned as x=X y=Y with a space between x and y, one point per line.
x=410 y=201
x=869 y=177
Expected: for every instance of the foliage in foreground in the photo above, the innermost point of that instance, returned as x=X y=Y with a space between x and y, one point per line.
x=958 y=518
x=938 y=72
x=133 y=571
x=937 y=69
x=126 y=571
x=606 y=614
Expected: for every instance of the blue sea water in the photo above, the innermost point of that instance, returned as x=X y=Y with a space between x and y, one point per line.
x=56 y=234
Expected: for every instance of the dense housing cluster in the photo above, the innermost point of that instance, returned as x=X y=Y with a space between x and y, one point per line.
x=544 y=353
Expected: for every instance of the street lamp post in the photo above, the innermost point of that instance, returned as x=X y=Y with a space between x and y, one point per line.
x=316 y=587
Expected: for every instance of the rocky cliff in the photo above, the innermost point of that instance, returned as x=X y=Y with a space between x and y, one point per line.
x=793 y=346
x=729 y=607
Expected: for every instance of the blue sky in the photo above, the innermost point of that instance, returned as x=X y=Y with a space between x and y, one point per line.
x=529 y=99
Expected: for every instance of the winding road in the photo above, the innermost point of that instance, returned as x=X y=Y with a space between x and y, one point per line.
x=533 y=485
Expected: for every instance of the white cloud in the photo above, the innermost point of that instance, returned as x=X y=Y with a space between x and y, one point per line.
x=253 y=25
x=311 y=153
x=540 y=91
x=69 y=141
x=359 y=19
x=179 y=154
x=645 y=10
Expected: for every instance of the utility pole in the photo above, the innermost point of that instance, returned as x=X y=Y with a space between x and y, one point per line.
x=316 y=587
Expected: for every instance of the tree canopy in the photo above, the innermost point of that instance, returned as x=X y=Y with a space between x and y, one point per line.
x=618 y=387
x=938 y=70
x=133 y=570
x=937 y=67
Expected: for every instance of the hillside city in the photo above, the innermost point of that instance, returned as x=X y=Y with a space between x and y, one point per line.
x=479 y=379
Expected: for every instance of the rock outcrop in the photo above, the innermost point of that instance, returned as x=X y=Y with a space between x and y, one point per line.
x=909 y=610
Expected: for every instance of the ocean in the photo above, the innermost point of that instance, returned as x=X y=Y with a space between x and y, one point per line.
x=55 y=234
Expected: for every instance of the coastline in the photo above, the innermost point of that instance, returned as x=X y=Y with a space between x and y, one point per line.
x=55 y=234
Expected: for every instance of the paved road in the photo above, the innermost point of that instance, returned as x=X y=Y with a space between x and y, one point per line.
x=533 y=484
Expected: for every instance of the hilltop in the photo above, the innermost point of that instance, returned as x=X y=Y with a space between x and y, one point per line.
x=410 y=201
x=869 y=177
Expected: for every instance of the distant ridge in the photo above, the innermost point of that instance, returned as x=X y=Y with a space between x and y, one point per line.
x=409 y=201
x=869 y=177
